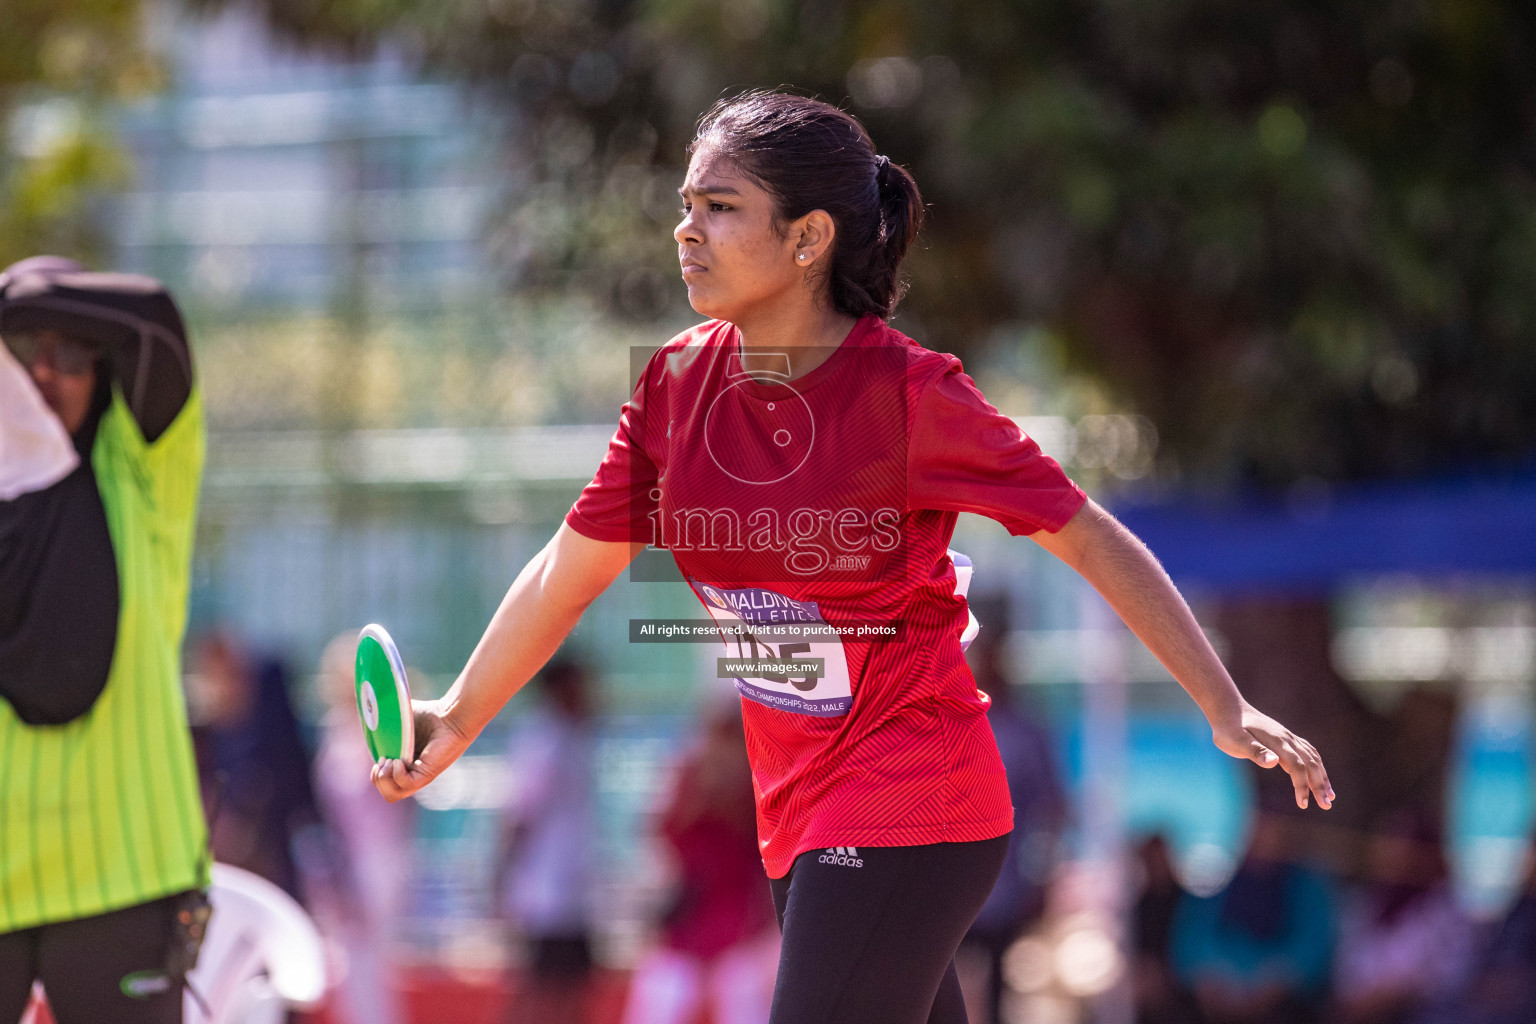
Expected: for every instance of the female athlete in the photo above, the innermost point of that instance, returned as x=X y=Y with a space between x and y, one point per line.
x=804 y=463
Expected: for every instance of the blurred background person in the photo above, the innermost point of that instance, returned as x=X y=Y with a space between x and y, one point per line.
x=357 y=863
x=1259 y=951
x=252 y=758
x=1160 y=996
x=1404 y=943
x=104 y=845
x=1017 y=901
x=1501 y=986
x=546 y=864
x=718 y=944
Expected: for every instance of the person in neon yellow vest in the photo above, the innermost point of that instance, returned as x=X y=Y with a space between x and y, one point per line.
x=102 y=837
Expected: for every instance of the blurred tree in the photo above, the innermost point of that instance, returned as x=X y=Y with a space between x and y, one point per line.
x=1295 y=234
x=60 y=62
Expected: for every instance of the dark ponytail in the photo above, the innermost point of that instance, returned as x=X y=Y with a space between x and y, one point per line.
x=901 y=212
x=809 y=155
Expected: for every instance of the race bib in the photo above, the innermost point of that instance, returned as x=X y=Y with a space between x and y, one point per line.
x=779 y=651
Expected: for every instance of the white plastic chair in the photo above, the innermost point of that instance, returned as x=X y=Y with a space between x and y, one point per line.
x=262 y=957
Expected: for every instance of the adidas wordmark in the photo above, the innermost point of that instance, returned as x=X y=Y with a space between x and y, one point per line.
x=844 y=856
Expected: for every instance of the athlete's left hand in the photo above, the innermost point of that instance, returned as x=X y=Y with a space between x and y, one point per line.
x=1256 y=737
x=438 y=744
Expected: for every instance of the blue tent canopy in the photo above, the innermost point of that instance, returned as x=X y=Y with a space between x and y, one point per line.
x=1484 y=526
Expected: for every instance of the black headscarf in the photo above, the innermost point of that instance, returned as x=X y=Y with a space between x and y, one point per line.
x=59 y=586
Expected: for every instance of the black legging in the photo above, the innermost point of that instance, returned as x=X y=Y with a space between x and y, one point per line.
x=82 y=964
x=870 y=938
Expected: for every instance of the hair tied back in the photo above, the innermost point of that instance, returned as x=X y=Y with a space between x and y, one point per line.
x=809 y=155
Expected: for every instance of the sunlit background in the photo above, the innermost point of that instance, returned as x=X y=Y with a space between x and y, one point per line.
x=1261 y=277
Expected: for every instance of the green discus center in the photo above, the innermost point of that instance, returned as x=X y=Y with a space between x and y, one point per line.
x=378 y=700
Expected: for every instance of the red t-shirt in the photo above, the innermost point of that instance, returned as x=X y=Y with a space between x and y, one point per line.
x=828 y=502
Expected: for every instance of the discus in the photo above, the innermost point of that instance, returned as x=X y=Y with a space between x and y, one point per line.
x=384 y=696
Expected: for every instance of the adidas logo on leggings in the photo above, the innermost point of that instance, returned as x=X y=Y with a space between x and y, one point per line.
x=845 y=856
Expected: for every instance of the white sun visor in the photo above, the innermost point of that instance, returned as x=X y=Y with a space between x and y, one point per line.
x=35 y=450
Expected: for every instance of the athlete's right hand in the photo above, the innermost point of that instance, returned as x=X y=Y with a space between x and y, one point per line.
x=438 y=744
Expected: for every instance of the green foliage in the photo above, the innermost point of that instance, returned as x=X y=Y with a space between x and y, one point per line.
x=1297 y=234
x=60 y=63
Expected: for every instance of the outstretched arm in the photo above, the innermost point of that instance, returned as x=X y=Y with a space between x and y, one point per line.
x=1125 y=573
x=541 y=607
